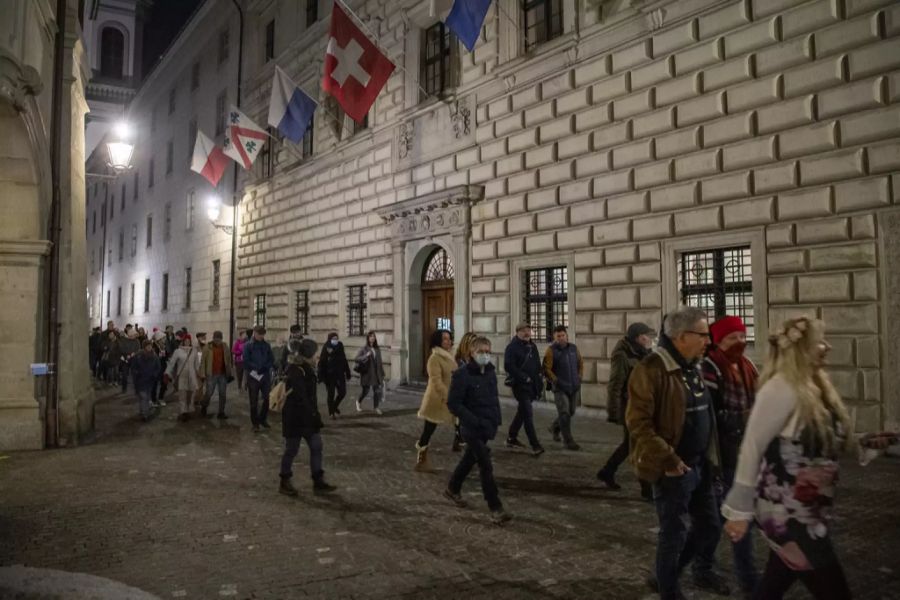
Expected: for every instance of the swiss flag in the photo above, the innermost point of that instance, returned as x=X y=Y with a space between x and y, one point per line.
x=355 y=69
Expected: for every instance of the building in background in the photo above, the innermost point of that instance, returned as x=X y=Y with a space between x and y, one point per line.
x=34 y=120
x=592 y=169
x=163 y=261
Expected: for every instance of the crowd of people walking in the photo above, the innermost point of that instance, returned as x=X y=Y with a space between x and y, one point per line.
x=709 y=438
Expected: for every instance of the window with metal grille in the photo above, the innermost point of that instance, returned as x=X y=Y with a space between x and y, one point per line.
x=133 y=240
x=147 y=295
x=190 y=210
x=259 y=310
x=108 y=302
x=223 y=46
x=270 y=41
x=546 y=300
x=356 y=310
x=308 y=139
x=220 y=113
x=121 y=245
x=268 y=153
x=137 y=181
x=543 y=21
x=187 y=287
x=165 y=292
x=94 y=223
x=119 y=302
x=439 y=270
x=438 y=53
x=131 y=303
x=149 y=230
x=123 y=196
x=301 y=310
x=312 y=12
x=195 y=76
x=216 y=278
x=167 y=221
x=150 y=172
x=170 y=156
x=172 y=95
x=719 y=281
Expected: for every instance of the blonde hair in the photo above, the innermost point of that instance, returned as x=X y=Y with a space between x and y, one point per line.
x=464 y=348
x=793 y=354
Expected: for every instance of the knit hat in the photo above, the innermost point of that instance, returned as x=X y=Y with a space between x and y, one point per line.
x=635 y=330
x=724 y=326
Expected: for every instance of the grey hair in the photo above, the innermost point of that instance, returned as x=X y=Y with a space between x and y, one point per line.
x=682 y=320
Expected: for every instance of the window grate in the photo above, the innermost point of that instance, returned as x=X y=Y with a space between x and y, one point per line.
x=719 y=281
x=301 y=310
x=356 y=310
x=543 y=21
x=437 y=59
x=546 y=300
x=187 y=287
x=439 y=269
x=216 y=280
x=259 y=310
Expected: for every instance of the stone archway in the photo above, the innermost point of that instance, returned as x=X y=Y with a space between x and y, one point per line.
x=419 y=226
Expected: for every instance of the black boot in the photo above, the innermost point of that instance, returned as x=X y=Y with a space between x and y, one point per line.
x=320 y=486
x=287 y=488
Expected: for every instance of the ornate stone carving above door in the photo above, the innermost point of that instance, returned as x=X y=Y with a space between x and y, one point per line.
x=444 y=212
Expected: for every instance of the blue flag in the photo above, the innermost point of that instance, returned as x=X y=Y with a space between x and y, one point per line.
x=290 y=110
x=466 y=18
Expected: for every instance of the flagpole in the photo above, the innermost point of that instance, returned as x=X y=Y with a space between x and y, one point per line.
x=396 y=63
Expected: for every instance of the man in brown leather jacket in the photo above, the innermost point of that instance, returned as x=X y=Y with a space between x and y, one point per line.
x=674 y=445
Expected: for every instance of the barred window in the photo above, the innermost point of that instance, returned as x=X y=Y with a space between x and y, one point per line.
x=216 y=280
x=150 y=170
x=719 y=281
x=121 y=244
x=437 y=59
x=108 y=302
x=133 y=240
x=356 y=310
x=546 y=300
x=259 y=310
x=543 y=21
x=167 y=221
x=147 y=295
x=268 y=154
x=131 y=303
x=187 y=287
x=301 y=310
x=119 y=302
x=149 y=230
x=165 y=292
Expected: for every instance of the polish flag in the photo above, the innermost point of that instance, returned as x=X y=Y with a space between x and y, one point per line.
x=355 y=69
x=209 y=160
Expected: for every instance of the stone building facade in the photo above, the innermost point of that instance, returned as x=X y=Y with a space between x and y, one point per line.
x=27 y=84
x=602 y=162
x=154 y=257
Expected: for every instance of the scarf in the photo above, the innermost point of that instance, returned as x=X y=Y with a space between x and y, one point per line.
x=738 y=384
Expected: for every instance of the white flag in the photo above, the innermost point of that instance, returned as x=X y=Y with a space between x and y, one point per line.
x=243 y=138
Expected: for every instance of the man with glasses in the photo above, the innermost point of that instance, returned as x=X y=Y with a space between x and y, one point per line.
x=674 y=445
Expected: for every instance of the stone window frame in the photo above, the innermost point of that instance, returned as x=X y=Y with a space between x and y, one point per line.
x=517 y=268
x=544 y=331
x=671 y=251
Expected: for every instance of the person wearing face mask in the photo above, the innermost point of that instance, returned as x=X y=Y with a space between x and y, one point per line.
x=334 y=370
x=672 y=425
x=474 y=399
x=629 y=351
x=732 y=379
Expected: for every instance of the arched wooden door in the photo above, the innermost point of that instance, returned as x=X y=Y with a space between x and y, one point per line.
x=437 y=298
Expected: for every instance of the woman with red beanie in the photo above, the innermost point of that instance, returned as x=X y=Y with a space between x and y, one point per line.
x=732 y=380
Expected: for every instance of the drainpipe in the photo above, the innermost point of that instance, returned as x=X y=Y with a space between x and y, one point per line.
x=51 y=402
x=235 y=200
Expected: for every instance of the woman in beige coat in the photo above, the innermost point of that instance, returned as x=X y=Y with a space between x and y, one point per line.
x=434 y=411
x=183 y=370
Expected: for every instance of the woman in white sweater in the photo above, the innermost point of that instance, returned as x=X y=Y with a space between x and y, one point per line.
x=787 y=468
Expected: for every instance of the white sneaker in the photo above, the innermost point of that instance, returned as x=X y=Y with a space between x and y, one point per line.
x=358 y=407
x=378 y=411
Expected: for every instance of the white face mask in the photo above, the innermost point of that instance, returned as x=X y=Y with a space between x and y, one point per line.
x=334 y=341
x=483 y=359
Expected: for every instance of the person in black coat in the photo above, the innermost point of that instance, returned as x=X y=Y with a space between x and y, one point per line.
x=522 y=362
x=334 y=371
x=474 y=399
x=144 y=366
x=300 y=418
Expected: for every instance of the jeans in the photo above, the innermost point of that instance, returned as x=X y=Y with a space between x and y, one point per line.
x=524 y=415
x=377 y=394
x=823 y=584
x=259 y=415
x=239 y=375
x=292 y=447
x=566 y=404
x=338 y=385
x=744 y=567
x=689 y=526
x=477 y=452
x=143 y=396
x=212 y=383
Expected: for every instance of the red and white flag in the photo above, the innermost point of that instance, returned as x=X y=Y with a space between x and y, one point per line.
x=355 y=69
x=208 y=160
x=243 y=138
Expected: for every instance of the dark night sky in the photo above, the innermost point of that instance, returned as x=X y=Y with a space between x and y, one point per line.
x=165 y=20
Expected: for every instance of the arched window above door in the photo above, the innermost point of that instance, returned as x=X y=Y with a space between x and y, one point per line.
x=112 y=53
x=438 y=269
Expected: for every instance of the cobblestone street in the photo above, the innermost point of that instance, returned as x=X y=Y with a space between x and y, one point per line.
x=191 y=511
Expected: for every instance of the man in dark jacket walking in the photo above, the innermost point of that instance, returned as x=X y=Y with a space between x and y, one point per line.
x=334 y=370
x=630 y=350
x=95 y=350
x=144 y=367
x=523 y=369
x=128 y=347
x=258 y=364
x=473 y=398
x=300 y=419
x=563 y=368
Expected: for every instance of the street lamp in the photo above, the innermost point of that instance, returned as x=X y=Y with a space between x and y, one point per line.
x=120 y=148
x=213 y=208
